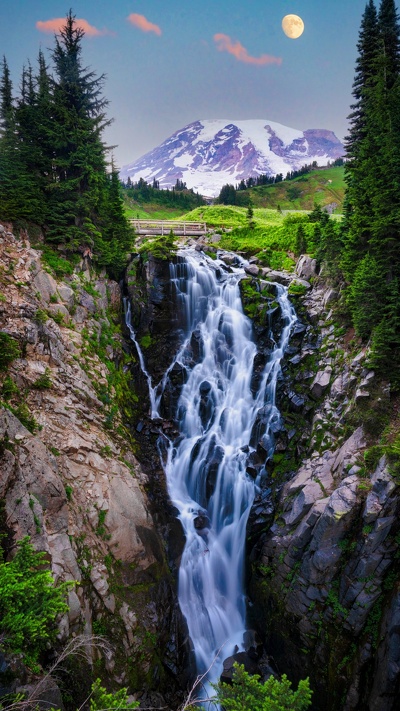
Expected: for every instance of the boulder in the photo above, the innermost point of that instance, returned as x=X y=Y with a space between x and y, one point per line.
x=280 y=277
x=301 y=282
x=320 y=383
x=66 y=295
x=251 y=269
x=45 y=285
x=330 y=296
x=306 y=267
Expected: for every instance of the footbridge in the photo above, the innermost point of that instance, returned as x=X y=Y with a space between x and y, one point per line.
x=163 y=227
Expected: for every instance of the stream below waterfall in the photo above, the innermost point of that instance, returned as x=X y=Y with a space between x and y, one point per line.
x=206 y=465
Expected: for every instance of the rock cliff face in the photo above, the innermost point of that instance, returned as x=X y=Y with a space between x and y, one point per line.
x=325 y=570
x=69 y=477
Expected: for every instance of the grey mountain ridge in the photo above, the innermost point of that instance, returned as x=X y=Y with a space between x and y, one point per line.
x=207 y=154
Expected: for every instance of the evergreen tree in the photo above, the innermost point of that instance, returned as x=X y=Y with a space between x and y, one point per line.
x=79 y=154
x=227 y=195
x=371 y=235
x=116 y=234
x=359 y=143
x=6 y=101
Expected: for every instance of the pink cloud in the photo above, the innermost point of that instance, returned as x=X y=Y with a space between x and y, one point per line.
x=55 y=25
x=226 y=44
x=143 y=24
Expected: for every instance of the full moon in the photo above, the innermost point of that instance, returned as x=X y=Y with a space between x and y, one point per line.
x=293 y=26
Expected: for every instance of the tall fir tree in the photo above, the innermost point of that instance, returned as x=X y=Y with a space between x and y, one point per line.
x=358 y=209
x=79 y=153
x=371 y=254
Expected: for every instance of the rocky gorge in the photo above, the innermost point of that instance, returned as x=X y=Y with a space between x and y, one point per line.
x=81 y=474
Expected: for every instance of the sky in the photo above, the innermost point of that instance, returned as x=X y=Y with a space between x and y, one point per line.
x=171 y=62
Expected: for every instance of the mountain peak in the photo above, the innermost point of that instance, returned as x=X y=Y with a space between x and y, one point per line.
x=209 y=153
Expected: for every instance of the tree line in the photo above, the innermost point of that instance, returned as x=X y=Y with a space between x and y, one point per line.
x=54 y=166
x=364 y=254
x=179 y=196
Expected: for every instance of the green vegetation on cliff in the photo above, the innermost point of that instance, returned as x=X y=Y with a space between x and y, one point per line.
x=246 y=693
x=29 y=603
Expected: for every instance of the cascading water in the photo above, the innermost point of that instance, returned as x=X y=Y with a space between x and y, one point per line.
x=206 y=466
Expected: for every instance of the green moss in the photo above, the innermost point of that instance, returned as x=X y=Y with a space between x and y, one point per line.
x=146 y=341
x=296 y=289
x=89 y=288
x=163 y=247
x=58 y=265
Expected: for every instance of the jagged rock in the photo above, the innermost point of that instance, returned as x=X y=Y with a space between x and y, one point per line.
x=331 y=296
x=306 y=268
x=229 y=259
x=343 y=384
x=301 y=282
x=252 y=269
x=320 y=383
x=55 y=309
x=279 y=277
x=66 y=294
x=45 y=285
x=75 y=487
x=360 y=395
x=356 y=363
x=349 y=451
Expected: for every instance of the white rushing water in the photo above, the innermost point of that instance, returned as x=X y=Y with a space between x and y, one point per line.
x=206 y=467
x=206 y=470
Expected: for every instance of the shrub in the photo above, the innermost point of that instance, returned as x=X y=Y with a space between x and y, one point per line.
x=116 y=700
x=247 y=693
x=29 y=603
x=9 y=350
x=41 y=316
x=9 y=388
x=43 y=382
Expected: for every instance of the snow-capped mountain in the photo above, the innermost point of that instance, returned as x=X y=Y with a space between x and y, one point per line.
x=208 y=154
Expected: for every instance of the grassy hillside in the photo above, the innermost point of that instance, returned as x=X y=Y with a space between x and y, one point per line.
x=232 y=216
x=273 y=236
x=323 y=186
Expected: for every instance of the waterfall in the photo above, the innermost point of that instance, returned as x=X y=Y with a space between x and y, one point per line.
x=152 y=391
x=206 y=466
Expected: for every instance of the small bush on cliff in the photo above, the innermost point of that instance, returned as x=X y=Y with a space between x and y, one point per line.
x=116 y=700
x=247 y=693
x=9 y=350
x=29 y=603
x=163 y=247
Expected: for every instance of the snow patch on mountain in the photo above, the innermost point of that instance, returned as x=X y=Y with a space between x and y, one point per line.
x=208 y=154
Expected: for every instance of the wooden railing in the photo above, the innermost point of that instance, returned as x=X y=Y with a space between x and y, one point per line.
x=163 y=227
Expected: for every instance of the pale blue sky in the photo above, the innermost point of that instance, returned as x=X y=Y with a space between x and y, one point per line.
x=162 y=79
